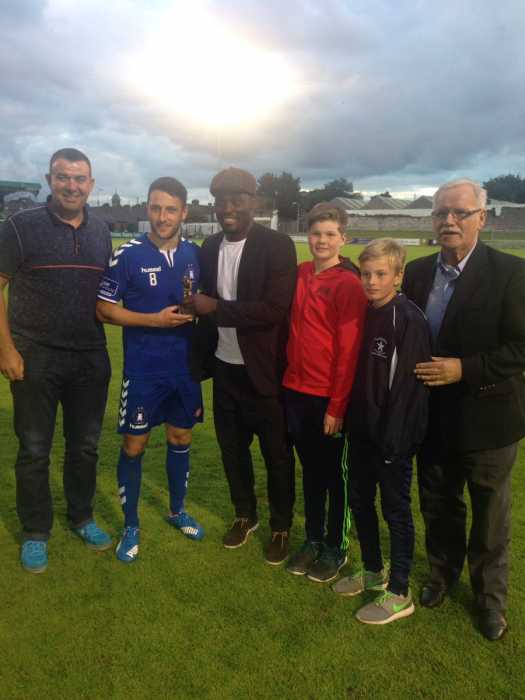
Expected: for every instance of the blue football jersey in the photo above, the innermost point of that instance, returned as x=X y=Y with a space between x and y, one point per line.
x=147 y=280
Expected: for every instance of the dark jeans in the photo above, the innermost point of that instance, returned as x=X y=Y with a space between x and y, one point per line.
x=239 y=414
x=368 y=469
x=442 y=479
x=324 y=474
x=79 y=381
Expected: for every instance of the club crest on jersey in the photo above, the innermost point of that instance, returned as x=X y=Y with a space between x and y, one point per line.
x=139 y=420
x=379 y=346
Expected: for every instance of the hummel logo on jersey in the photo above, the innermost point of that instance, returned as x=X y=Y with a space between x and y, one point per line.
x=151 y=269
x=379 y=347
x=114 y=258
x=123 y=402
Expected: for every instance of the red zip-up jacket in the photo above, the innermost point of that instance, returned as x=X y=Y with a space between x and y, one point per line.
x=326 y=328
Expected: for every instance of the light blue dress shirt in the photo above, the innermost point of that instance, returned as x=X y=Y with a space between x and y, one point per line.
x=445 y=281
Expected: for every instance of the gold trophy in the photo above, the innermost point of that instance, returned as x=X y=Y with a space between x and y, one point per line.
x=187 y=286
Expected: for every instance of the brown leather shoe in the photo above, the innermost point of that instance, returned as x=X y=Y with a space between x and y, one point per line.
x=276 y=550
x=238 y=533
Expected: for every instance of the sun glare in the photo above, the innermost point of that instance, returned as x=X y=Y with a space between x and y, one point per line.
x=194 y=68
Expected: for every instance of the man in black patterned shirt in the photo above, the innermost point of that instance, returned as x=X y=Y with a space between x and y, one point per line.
x=53 y=350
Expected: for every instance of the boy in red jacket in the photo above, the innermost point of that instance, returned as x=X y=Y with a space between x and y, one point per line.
x=325 y=335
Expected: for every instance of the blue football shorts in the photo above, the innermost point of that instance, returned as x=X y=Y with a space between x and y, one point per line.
x=147 y=402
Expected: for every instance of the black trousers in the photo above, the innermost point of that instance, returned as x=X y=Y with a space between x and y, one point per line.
x=324 y=474
x=239 y=414
x=79 y=381
x=442 y=480
x=368 y=469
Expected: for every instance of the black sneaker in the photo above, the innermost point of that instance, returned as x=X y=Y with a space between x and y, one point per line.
x=327 y=567
x=277 y=549
x=301 y=561
x=238 y=532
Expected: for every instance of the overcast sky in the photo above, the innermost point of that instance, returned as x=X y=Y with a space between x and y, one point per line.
x=397 y=96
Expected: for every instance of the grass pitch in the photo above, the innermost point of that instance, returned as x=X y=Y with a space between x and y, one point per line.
x=193 y=620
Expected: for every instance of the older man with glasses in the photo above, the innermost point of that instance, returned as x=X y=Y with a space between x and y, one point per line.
x=474 y=298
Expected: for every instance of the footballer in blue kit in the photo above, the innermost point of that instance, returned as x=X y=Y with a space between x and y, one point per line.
x=152 y=275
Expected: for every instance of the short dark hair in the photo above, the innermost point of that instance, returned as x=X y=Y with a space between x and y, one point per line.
x=71 y=154
x=324 y=211
x=171 y=186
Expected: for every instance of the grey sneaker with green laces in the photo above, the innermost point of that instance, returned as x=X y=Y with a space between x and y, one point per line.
x=386 y=608
x=302 y=560
x=360 y=581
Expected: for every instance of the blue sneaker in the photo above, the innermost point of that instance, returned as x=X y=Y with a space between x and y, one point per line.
x=128 y=548
x=187 y=525
x=33 y=556
x=93 y=536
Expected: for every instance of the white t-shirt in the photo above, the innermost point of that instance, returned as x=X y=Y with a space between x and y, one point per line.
x=230 y=252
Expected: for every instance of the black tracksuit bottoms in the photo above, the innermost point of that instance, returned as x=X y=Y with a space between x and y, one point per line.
x=240 y=412
x=324 y=474
x=368 y=469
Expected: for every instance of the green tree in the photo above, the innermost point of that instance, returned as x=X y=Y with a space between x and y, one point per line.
x=341 y=187
x=283 y=190
x=509 y=188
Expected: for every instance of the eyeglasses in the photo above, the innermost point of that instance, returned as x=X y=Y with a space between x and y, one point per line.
x=457 y=214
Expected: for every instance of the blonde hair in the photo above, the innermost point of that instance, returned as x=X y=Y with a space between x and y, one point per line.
x=385 y=247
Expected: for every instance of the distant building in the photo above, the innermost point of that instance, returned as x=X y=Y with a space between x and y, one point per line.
x=115 y=200
x=121 y=219
x=17 y=201
x=423 y=202
x=200 y=213
x=12 y=186
x=380 y=202
x=349 y=204
x=496 y=205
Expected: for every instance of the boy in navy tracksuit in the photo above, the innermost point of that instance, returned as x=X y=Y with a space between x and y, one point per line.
x=386 y=422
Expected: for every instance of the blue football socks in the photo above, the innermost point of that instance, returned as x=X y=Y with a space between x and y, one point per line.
x=129 y=475
x=177 y=469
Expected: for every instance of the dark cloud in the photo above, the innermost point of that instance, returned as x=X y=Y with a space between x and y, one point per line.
x=392 y=95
